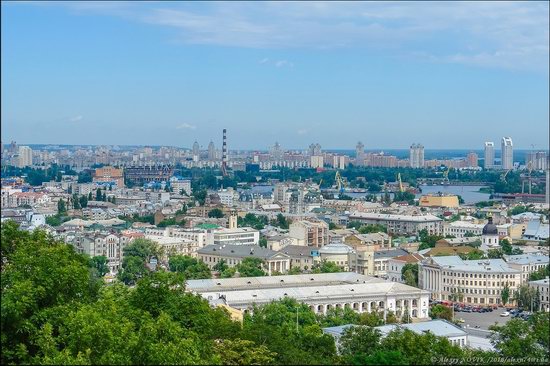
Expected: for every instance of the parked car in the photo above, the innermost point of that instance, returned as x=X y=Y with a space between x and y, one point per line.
x=506 y=313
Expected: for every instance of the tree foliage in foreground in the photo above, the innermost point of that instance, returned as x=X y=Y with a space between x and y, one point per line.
x=57 y=310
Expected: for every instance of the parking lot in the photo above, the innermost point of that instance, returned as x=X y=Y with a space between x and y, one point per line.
x=483 y=320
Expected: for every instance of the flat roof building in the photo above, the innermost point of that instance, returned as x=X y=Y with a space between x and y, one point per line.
x=320 y=291
x=438 y=327
x=401 y=224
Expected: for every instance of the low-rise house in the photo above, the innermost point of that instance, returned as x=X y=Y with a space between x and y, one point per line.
x=438 y=327
x=536 y=230
x=395 y=265
x=381 y=258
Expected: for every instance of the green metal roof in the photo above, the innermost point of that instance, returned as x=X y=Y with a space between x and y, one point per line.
x=207 y=226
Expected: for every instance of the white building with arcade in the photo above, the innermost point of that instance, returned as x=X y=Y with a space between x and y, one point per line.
x=320 y=291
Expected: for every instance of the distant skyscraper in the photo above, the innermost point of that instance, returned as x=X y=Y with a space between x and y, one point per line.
x=276 y=151
x=211 y=151
x=359 y=154
x=416 y=156
x=196 y=151
x=507 y=153
x=314 y=149
x=25 y=156
x=489 y=162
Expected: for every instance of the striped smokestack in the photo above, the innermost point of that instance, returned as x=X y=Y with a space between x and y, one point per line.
x=224 y=153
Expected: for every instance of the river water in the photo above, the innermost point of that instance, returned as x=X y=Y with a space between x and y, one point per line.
x=470 y=194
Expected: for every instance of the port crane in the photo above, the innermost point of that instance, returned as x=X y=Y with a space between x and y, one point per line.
x=503 y=176
x=446 y=176
x=339 y=182
x=400 y=183
x=529 y=170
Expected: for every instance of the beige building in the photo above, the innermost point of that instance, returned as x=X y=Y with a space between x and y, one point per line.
x=447 y=201
x=474 y=282
x=312 y=233
x=376 y=240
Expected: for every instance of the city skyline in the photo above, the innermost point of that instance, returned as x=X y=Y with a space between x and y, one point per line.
x=165 y=74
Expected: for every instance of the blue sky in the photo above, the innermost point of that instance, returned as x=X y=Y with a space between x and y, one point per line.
x=448 y=75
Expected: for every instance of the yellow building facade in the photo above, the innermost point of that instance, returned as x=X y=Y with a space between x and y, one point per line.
x=448 y=201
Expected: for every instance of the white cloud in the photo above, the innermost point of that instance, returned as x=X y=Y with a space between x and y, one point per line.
x=494 y=33
x=76 y=118
x=284 y=63
x=302 y=131
x=264 y=60
x=186 y=126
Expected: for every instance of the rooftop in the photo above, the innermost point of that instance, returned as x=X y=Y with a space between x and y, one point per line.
x=483 y=265
x=392 y=253
x=527 y=259
x=241 y=291
x=238 y=251
x=390 y=217
x=440 y=328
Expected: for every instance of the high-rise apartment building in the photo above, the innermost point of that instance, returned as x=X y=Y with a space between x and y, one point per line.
x=507 y=153
x=196 y=151
x=24 y=156
x=359 y=154
x=538 y=160
x=489 y=162
x=314 y=149
x=211 y=151
x=416 y=156
x=276 y=151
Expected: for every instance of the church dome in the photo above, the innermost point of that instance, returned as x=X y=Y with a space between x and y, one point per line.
x=490 y=228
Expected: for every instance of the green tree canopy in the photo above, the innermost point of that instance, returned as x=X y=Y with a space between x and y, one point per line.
x=326 y=267
x=251 y=267
x=216 y=213
x=190 y=267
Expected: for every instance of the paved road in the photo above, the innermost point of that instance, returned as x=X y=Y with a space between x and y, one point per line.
x=484 y=320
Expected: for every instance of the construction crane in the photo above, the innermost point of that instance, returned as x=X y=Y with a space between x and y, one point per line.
x=339 y=182
x=529 y=170
x=503 y=176
x=446 y=176
x=400 y=183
